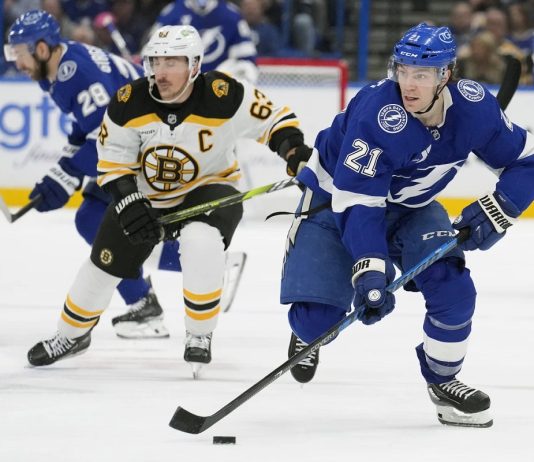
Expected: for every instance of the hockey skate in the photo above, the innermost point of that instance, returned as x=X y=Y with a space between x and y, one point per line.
x=144 y=319
x=460 y=405
x=197 y=351
x=58 y=347
x=235 y=263
x=303 y=371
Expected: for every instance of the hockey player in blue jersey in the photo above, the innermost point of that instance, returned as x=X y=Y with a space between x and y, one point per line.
x=228 y=45
x=80 y=79
x=370 y=204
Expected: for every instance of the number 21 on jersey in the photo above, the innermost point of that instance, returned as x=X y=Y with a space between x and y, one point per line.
x=363 y=160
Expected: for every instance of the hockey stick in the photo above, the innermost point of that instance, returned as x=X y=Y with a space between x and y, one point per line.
x=12 y=217
x=510 y=81
x=225 y=201
x=188 y=422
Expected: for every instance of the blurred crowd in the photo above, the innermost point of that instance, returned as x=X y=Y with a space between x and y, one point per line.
x=487 y=31
x=301 y=33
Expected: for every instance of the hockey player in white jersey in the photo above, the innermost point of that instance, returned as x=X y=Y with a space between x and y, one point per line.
x=167 y=143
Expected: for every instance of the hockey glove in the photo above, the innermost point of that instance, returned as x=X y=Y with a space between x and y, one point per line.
x=296 y=159
x=488 y=219
x=370 y=277
x=57 y=186
x=139 y=220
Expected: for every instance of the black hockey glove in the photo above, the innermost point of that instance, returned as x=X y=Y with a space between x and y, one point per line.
x=370 y=277
x=138 y=219
x=296 y=159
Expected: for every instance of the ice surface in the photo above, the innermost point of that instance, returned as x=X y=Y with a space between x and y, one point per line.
x=367 y=403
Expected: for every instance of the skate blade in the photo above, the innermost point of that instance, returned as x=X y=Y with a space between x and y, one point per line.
x=448 y=415
x=145 y=330
x=196 y=369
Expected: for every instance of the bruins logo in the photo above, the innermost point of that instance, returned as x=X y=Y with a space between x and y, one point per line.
x=124 y=93
x=220 y=88
x=106 y=257
x=167 y=168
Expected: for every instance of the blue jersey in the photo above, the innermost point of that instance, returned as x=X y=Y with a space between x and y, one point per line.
x=377 y=155
x=225 y=34
x=87 y=78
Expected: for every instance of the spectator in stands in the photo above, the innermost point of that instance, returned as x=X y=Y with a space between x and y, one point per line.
x=460 y=21
x=65 y=23
x=481 y=61
x=228 y=45
x=265 y=35
x=497 y=24
x=521 y=30
x=78 y=10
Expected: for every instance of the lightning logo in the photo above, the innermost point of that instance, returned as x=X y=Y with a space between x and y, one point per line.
x=392 y=118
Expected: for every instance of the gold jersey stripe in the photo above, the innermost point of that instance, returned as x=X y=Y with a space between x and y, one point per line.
x=72 y=322
x=267 y=133
x=195 y=298
x=204 y=315
x=107 y=177
x=76 y=309
x=174 y=201
x=289 y=123
x=143 y=120
x=108 y=165
x=205 y=121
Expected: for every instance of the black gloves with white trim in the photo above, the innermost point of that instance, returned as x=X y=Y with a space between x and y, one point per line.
x=488 y=219
x=137 y=218
x=370 y=277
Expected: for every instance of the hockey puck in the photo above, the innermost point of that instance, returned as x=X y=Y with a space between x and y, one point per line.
x=224 y=440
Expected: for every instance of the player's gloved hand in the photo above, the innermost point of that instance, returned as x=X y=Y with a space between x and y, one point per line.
x=370 y=277
x=296 y=159
x=139 y=220
x=57 y=186
x=488 y=219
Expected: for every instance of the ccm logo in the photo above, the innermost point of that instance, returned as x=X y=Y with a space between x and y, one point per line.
x=434 y=234
x=410 y=55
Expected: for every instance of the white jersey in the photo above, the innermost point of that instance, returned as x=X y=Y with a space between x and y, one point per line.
x=173 y=149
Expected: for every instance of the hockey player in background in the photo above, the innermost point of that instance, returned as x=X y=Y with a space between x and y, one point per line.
x=378 y=168
x=228 y=45
x=167 y=143
x=81 y=80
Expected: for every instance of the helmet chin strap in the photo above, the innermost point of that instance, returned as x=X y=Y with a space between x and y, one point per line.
x=436 y=97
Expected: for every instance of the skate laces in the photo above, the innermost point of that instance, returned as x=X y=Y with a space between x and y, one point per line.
x=57 y=345
x=138 y=305
x=198 y=341
x=308 y=361
x=457 y=388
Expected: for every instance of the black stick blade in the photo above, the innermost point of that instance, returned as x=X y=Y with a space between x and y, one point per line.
x=188 y=422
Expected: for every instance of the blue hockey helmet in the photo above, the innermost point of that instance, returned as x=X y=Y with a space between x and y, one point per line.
x=32 y=27
x=426 y=46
